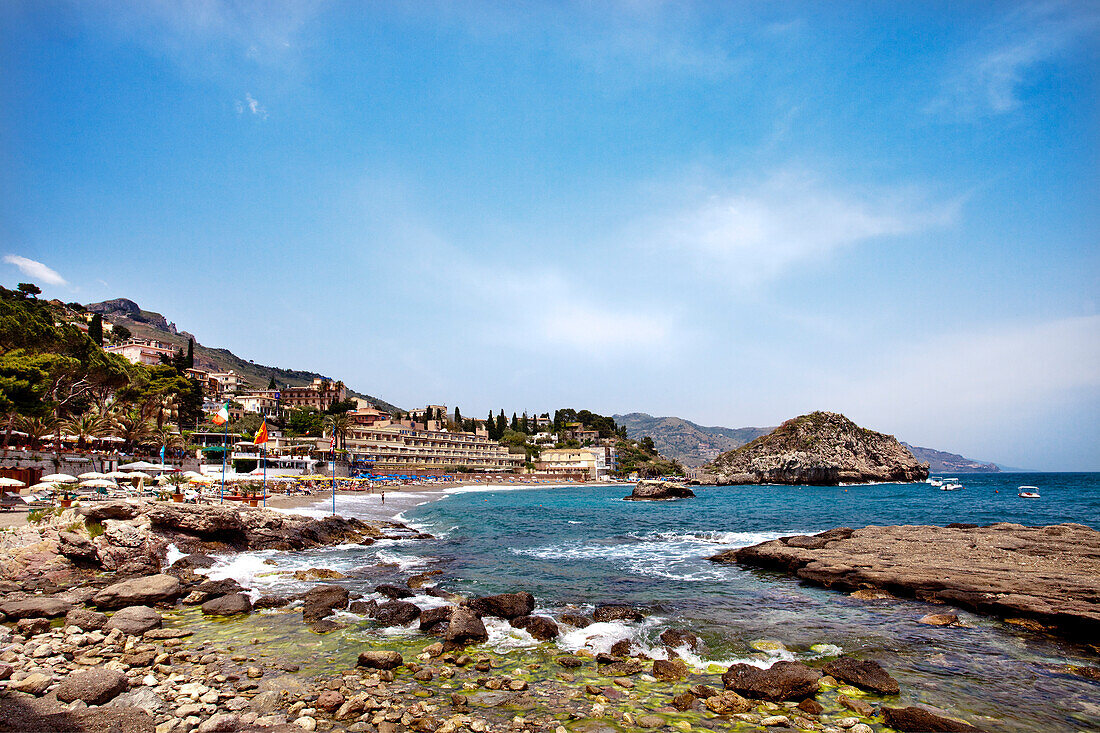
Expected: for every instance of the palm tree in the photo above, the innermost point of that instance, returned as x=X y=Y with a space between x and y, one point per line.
x=37 y=429
x=169 y=438
x=89 y=425
x=338 y=425
x=133 y=427
x=165 y=408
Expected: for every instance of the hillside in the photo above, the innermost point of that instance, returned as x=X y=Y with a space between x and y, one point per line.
x=941 y=462
x=684 y=441
x=822 y=448
x=152 y=325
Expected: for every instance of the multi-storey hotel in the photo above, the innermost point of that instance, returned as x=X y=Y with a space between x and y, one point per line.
x=400 y=447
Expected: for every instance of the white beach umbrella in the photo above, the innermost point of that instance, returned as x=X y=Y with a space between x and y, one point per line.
x=117 y=474
x=5 y=481
x=59 y=478
x=91 y=475
x=99 y=483
x=42 y=487
x=139 y=474
x=192 y=474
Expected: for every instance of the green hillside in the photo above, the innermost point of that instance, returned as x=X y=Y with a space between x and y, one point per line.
x=684 y=441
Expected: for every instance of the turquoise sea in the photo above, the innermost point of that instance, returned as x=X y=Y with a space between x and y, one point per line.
x=577 y=546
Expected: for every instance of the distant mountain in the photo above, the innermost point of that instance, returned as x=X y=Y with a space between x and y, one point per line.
x=821 y=448
x=151 y=325
x=940 y=462
x=684 y=441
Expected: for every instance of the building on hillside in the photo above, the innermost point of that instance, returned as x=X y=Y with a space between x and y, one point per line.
x=236 y=412
x=318 y=394
x=227 y=383
x=143 y=351
x=396 y=447
x=368 y=416
x=213 y=438
x=261 y=401
x=589 y=461
x=576 y=431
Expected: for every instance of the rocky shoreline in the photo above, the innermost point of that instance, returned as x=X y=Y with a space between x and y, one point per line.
x=1043 y=577
x=96 y=642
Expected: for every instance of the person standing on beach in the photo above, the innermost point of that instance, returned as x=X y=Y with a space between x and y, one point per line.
x=383 y=497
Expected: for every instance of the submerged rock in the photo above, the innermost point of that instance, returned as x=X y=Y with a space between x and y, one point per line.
x=919 y=720
x=505 y=605
x=866 y=675
x=611 y=612
x=396 y=613
x=228 y=605
x=542 y=628
x=377 y=659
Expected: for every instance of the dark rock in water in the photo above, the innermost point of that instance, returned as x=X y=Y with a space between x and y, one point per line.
x=669 y=670
x=32 y=626
x=363 y=608
x=822 y=448
x=1043 y=575
x=270 y=602
x=324 y=626
x=193 y=561
x=575 y=619
x=76 y=547
x=35 y=607
x=659 y=491
x=432 y=618
x=229 y=605
x=860 y=707
x=464 y=627
x=622 y=669
x=866 y=675
x=782 y=681
x=319 y=601
x=702 y=691
x=420 y=579
x=134 y=620
x=617 y=613
x=622 y=648
x=683 y=702
x=540 y=627
x=569 y=662
x=85 y=619
x=919 y=720
x=380 y=659
x=811 y=706
x=727 y=703
x=219 y=587
x=679 y=638
x=93 y=687
x=505 y=605
x=139 y=591
x=939 y=619
x=393 y=592
x=396 y=613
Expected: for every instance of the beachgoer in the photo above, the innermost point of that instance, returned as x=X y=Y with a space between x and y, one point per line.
x=383 y=497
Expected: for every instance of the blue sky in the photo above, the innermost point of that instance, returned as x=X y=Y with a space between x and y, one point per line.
x=730 y=212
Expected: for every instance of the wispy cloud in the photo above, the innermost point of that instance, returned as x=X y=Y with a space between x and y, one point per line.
x=992 y=73
x=36 y=270
x=757 y=232
x=250 y=105
x=594 y=329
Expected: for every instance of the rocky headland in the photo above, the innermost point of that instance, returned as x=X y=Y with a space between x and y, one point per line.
x=104 y=635
x=1037 y=576
x=821 y=448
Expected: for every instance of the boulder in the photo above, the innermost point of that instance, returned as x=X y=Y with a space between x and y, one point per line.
x=659 y=491
x=396 y=613
x=94 y=687
x=727 y=703
x=575 y=619
x=222 y=587
x=86 y=619
x=612 y=612
x=782 y=681
x=465 y=627
x=139 y=591
x=622 y=648
x=134 y=620
x=35 y=607
x=363 y=608
x=913 y=719
x=542 y=628
x=393 y=592
x=679 y=638
x=320 y=601
x=866 y=675
x=939 y=619
x=377 y=659
x=433 y=618
x=505 y=605
x=35 y=683
x=318 y=574
x=229 y=605
x=194 y=561
x=76 y=547
x=32 y=626
x=270 y=602
x=101 y=510
x=198 y=519
x=669 y=670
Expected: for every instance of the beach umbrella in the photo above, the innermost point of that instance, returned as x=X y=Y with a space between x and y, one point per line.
x=42 y=487
x=139 y=475
x=59 y=478
x=5 y=481
x=200 y=480
x=99 y=483
x=192 y=474
x=117 y=474
x=90 y=475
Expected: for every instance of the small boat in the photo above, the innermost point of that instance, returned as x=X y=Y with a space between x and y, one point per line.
x=951 y=484
x=935 y=482
x=1028 y=492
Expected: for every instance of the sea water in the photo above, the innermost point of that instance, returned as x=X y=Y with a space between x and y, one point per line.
x=578 y=546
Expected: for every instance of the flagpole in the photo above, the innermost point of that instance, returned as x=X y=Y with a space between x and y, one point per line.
x=263 y=459
x=334 y=473
x=225 y=452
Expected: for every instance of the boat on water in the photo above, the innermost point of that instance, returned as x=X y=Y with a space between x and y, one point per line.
x=951 y=484
x=934 y=481
x=1028 y=492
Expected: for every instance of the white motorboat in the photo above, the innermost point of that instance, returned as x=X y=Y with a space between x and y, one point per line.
x=935 y=482
x=1028 y=492
x=951 y=484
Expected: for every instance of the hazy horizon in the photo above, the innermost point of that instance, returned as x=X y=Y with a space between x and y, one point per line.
x=731 y=213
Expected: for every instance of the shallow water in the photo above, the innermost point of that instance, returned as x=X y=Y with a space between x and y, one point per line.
x=581 y=545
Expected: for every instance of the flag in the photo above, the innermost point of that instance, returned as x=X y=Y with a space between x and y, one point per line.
x=332 y=443
x=261 y=434
x=221 y=417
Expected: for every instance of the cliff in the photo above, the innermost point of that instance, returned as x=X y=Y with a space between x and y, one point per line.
x=942 y=462
x=822 y=448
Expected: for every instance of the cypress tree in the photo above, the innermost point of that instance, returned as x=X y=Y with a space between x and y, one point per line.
x=502 y=425
x=458 y=416
x=271 y=383
x=491 y=426
x=190 y=353
x=515 y=423
x=95 y=329
x=524 y=425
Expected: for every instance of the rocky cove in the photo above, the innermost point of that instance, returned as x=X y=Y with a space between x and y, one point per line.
x=409 y=655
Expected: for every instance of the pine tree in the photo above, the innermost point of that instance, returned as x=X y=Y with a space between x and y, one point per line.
x=271 y=383
x=190 y=353
x=95 y=329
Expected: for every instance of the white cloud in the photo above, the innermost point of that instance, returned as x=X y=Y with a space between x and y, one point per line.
x=990 y=76
x=758 y=232
x=252 y=106
x=36 y=270
x=593 y=329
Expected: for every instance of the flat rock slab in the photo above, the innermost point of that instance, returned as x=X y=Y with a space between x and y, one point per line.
x=1049 y=574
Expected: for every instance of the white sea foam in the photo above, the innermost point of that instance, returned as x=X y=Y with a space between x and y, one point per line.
x=172 y=554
